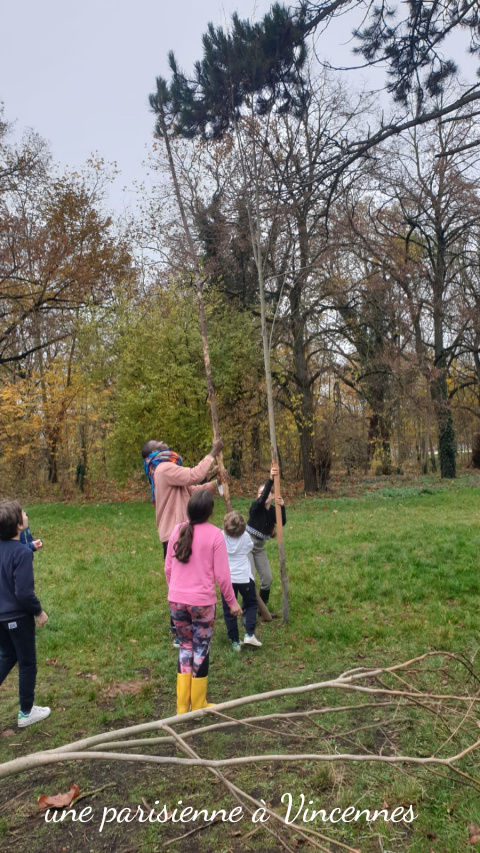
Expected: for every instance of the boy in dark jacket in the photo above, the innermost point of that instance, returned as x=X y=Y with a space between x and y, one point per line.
x=27 y=538
x=19 y=610
x=260 y=526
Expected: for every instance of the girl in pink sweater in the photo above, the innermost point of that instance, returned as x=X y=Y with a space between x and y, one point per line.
x=196 y=558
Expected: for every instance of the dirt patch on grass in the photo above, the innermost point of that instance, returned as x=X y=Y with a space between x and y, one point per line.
x=116 y=794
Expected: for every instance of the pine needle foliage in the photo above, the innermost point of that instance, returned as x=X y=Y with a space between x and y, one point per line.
x=265 y=60
x=262 y=59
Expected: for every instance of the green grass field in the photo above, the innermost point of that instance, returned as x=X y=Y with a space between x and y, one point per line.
x=374 y=580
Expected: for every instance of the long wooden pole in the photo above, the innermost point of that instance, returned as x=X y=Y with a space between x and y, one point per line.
x=255 y=233
x=201 y=305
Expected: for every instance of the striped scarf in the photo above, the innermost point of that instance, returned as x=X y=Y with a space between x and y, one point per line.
x=154 y=459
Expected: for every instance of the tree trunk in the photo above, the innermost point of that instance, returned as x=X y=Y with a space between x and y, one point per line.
x=304 y=411
x=443 y=413
x=379 y=430
x=475 y=461
x=309 y=469
x=304 y=423
x=423 y=454
x=52 y=455
x=235 y=468
x=446 y=432
x=81 y=471
x=255 y=446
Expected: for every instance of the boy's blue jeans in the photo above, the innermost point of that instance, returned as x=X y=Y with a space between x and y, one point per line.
x=249 y=607
x=17 y=645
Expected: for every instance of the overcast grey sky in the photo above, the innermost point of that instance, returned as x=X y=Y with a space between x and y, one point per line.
x=79 y=73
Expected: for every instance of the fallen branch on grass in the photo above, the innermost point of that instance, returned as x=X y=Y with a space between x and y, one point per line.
x=457 y=709
x=343 y=683
x=51 y=757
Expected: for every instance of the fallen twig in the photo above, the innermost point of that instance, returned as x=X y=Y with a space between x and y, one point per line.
x=192 y=832
x=95 y=792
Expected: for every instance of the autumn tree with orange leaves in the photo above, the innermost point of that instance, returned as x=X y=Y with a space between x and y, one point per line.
x=59 y=259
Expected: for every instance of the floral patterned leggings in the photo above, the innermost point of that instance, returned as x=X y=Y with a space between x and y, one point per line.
x=194 y=630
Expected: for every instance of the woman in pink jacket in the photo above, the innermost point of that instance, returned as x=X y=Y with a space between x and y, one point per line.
x=196 y=558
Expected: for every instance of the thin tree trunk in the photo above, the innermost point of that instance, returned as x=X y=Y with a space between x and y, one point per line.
x=443 y=412
x=475 y=460
x=424 y=454
x=201 y=306
x=304 y=414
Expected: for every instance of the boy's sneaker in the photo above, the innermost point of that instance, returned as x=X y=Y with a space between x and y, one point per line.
x=36 y=714
x=176 y=643
x=251 y=640
x=236 y=647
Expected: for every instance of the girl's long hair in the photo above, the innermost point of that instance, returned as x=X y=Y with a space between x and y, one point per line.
x=199 y=510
